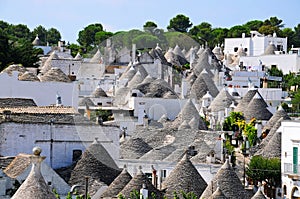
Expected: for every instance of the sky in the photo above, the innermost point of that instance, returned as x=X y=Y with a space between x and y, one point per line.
x=71 y=16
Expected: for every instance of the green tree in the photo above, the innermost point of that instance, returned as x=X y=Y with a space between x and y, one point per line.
x=23 y=52
x=101 y=36
x=75 y=48
x=4 y=50
x=289 y=33
x=18 y=51
x=202 y=33
x=145 y=41
x=268 y=29
x=254 y=25
x=275 y=22
x=180 y=23
x=237 y=31
x=53 y=36
x=181 y=39
x=261 y=168
x=86 y=37
x=296 y=37
x=19 y=31
x=296 y=100
x=218 y=36
x=274 y=71
x=42 y=33
x=271 y=25
x=231 y=122
x=4 y=25
x=150 y=26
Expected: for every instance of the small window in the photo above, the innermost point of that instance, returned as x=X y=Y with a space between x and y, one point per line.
x=131 y=113
x=235 y=49
x=163 y=173
x=76 y=155
x=245 y=49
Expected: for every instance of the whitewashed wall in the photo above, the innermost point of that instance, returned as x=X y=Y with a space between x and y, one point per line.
x=172 y=106
x=207 y=171
x=290 y=137
x=21 y=138
x=285 y=62
x=255 y=45
x=43 y=93
x=64 y=64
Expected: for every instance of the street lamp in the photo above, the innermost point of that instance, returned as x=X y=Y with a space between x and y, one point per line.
x=245 y=151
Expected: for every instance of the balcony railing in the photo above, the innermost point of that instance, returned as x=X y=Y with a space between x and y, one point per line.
x=291 y=168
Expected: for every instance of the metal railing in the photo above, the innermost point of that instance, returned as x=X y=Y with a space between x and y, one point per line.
x=291 y=168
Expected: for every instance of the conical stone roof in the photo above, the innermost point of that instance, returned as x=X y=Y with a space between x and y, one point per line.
x=187 y=113
x=99 y=92
x=142 y=70
x=228 y=181
x=137 y=182
x=202 y=151
x=35 y=187
x=14 y=67
x=258 y=149
x=184 y=125
x=259 y=195
x=121 y=96
x=184 y=177
x=212 y=88
x=157 y=88
x=280 y=113
x=28 y=76
x=177 y=51
x=78 y=56
x=202 y=63
x=257 y=109
x=48 y=63
x=117 y=185
x=194 y=123
x=200 y=51
x=273 y=148
x=223 y=100
x=176 y=155
x=218 y=194
x=163 y=119
x=137 y=79
x=242 y=105
x=158 y=153
x=134 y=148
x=86 y=102
x=36 y=41
x=270 y=50
x=128 y=74
x=54 y=75
x=148 y=79
x=96 y=163
x=201 y=85
x=271 y=145
x=97 y=58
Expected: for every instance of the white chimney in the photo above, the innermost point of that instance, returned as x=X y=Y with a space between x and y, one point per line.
x=133 y=53
x=141 y=113
x=143 y=192
x=183 y=88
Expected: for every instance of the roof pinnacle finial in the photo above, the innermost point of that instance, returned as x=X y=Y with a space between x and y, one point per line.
x=37 y=151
